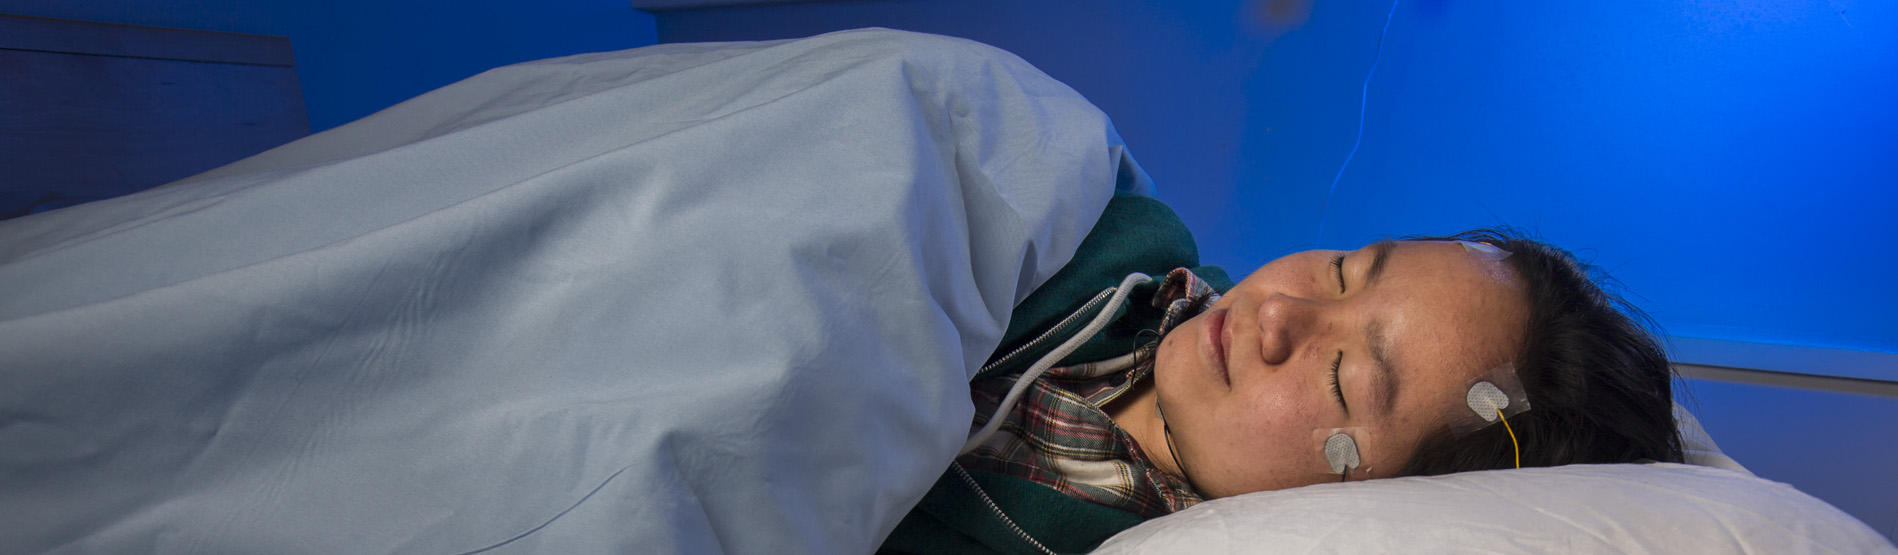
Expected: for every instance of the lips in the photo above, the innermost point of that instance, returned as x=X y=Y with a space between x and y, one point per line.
x=1214 y=342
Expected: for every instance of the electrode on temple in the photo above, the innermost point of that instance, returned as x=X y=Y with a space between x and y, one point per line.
x=1488 y=399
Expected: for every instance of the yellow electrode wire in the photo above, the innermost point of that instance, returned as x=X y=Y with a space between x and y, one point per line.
x=1512 y=438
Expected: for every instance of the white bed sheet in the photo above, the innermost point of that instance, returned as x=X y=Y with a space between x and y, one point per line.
x=685 y=298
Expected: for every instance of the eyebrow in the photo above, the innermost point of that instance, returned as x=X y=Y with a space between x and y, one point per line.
x=1385 y=376
x=1380 y=257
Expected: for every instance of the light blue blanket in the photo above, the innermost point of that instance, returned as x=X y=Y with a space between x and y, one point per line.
x=685 y=298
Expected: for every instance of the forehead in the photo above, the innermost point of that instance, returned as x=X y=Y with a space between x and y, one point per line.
x=1462 y=279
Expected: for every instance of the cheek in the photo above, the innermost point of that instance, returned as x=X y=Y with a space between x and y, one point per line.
x=1269 y=416
x=1262 y=441
x=1299 y=274
x=1179 y=367
x=1169 y=361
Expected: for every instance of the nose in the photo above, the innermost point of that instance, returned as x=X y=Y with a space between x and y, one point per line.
x=1285 y=322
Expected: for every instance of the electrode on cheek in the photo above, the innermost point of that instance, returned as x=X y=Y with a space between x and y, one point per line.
x=1342 y=452
x=1343 y=448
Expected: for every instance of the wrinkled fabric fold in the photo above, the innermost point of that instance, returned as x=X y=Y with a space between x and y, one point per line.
x=685 y=298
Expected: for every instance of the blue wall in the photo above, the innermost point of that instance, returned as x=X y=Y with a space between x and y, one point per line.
x=355 y=57
x=1734 y=163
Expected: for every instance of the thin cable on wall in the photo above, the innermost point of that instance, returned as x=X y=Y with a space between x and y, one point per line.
x=1363 y=99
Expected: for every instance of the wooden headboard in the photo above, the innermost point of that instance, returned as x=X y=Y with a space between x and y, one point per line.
x=94 y=110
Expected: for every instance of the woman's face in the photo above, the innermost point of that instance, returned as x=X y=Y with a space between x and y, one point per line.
x=1407 y=325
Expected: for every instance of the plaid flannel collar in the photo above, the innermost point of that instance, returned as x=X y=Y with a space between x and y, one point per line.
x=1059 y=436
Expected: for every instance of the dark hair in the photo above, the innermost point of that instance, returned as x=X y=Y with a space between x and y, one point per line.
x=1599 y=385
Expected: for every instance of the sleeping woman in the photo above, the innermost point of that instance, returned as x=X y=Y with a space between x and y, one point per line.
x=1321 y=366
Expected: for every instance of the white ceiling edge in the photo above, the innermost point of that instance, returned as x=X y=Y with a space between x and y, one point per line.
x=651 y=5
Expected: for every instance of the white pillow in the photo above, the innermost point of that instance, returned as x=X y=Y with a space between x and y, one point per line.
x=1617 y=508
x=1711 y=506
x=1608 y=508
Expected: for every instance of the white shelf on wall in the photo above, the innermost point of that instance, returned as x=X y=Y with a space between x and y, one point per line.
x=1842 y=370
x=1787 y=379
x=1794 y=359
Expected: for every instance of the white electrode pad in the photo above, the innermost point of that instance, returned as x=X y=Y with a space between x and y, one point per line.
x=1342 y=452
x=1487 y=400
x=1495 y=395
x=1341 y=447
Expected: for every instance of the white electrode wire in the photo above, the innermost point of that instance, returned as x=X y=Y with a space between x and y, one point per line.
x=1363 y=99
x=1046 y=362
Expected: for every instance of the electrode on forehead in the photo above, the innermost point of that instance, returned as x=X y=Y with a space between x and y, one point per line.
x=1488 y=399
x=1493 y=252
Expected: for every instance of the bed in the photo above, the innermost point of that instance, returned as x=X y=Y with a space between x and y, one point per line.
x=688 y=298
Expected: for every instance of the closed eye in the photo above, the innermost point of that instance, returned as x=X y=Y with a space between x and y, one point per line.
x=1337 y=264
x=1335 y=388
